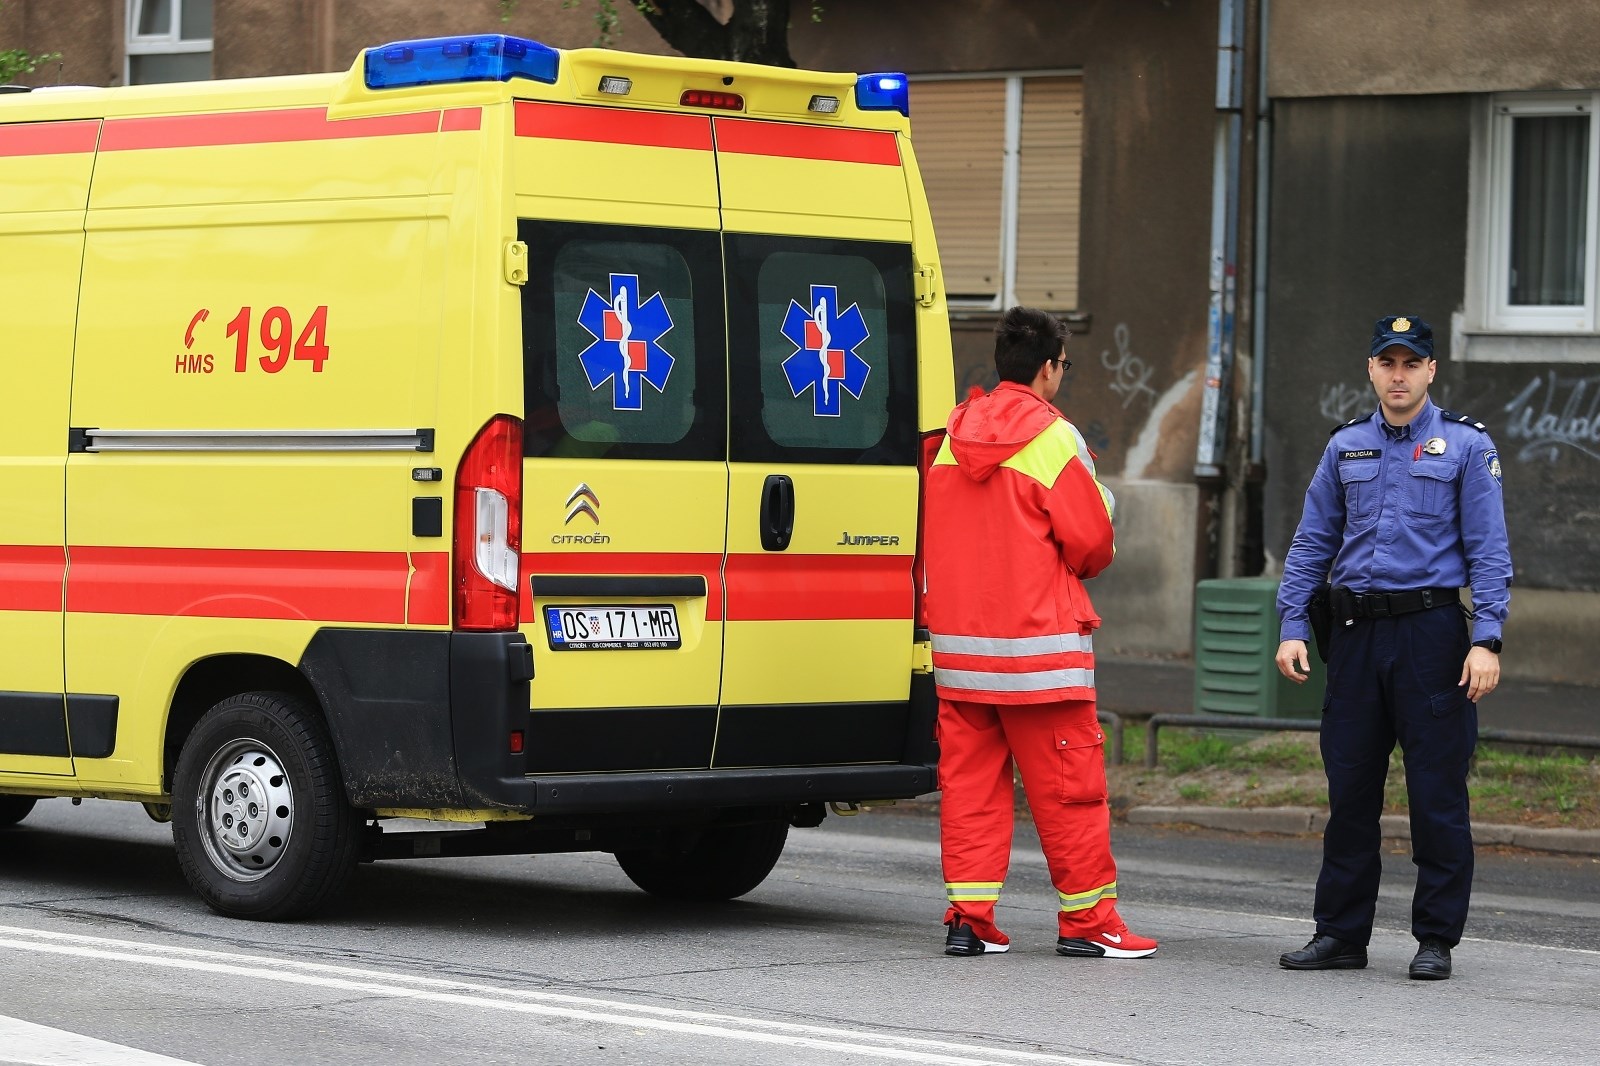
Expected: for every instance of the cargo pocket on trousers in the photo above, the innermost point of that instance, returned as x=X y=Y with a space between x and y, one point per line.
x=1448 y=702
x=1083 y=764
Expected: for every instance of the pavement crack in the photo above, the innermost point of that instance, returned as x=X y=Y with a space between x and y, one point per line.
x=1313 y=1026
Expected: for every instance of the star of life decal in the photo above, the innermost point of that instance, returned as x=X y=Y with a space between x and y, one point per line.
x=627 y=347
x=825 y=341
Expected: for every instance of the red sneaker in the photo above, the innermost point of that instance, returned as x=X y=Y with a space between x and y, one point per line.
x=1112 y=942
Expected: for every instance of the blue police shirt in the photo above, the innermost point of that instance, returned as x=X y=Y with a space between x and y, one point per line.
x=1397 y=508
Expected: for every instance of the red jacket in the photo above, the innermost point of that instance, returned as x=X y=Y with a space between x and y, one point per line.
x=1015 y=521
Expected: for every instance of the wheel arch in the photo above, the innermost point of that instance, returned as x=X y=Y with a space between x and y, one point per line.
x=211 y=680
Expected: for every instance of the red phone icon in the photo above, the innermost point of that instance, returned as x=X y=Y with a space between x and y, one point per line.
x=188 y=334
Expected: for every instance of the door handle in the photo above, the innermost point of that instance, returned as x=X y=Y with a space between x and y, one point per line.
x=777 y=512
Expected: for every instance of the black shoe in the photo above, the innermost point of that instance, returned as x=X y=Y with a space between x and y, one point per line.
x=961 y=940
x=1325 y=952
x=1432 y=961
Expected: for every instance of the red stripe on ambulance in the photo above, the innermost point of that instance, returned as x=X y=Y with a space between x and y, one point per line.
x=322 y=586
x=751 y=137
x=256 y=127
x=30 y=577
x=428 y=594
x=48 y=138
x=813 y=588
x=570 y=122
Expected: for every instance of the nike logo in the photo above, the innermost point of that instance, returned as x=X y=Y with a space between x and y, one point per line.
x=1115 y=938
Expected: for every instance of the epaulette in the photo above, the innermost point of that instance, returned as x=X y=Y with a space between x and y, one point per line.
x=1465 y=420
x=1347 y=425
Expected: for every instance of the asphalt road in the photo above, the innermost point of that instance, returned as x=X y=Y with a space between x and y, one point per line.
x=105 y=957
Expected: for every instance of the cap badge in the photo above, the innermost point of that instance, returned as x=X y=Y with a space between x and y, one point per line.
x=1435 y=446
x=1401 y=325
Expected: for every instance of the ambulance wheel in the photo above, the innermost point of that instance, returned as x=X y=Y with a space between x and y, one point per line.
x=14 y=809
x=716 y=864
x=259 y=816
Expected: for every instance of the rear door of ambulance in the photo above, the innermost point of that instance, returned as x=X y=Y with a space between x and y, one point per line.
x=823 y=485
x=625 y=477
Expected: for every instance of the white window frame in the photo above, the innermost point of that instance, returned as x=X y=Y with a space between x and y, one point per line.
x=1010 y=176
x=1488 y=288
x=169 y=43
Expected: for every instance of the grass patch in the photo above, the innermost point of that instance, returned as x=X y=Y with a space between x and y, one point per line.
x=1506 y=785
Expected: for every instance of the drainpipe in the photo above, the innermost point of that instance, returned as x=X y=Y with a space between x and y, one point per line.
x=1258 y=269
x=1211 y=454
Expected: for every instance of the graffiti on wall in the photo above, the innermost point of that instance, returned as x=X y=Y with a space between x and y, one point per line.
x=1340 y=402
x=1553 y=413
x=1130 y=375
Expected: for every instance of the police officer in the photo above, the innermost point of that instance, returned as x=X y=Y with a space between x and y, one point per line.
x=1404 y=509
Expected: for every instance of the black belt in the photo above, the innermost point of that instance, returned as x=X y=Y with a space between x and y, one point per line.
x=1390 y=604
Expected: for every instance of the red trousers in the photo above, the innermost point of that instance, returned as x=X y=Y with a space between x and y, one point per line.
x=1058 y=747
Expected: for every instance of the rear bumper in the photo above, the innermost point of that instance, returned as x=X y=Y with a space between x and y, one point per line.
x=422 y=720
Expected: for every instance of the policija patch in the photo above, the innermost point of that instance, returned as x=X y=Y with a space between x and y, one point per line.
x=1491 y=459
x=1359 y=453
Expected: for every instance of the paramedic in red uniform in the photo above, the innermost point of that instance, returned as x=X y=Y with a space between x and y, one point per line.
x=1015 y=521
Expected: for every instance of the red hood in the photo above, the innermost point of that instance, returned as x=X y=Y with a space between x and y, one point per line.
x=986 y=431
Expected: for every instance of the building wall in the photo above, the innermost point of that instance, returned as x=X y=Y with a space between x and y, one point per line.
x=1369 y=217
x=1381 y=47
x=294 y=37
x=86 y=33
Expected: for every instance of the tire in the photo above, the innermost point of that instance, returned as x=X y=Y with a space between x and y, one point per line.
x=14 y=809
x=267 y=861
x=720 y=863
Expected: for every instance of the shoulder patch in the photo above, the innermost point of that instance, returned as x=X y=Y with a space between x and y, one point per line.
x=1347 y=425
x=1465 y=420
x=1491 y=459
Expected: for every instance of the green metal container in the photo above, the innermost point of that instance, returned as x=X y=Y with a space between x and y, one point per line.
x=1235 y=642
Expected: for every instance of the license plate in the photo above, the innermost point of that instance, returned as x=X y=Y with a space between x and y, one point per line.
x=630 y=628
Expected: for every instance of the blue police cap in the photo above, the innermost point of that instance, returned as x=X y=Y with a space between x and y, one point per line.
x=1404 y=330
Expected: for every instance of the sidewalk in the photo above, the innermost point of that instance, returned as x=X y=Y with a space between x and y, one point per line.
x=1137 y=688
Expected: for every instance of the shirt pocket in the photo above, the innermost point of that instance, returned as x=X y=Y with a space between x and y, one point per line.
x=1430 y=492
x=1360 y=480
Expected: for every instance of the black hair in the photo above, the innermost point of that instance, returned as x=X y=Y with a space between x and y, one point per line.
x=1024 y=339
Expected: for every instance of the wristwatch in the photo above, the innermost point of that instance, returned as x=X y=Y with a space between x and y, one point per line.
x=1493 y=645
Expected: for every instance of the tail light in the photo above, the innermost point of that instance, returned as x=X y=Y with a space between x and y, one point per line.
x=932 y=441
x=487 y=559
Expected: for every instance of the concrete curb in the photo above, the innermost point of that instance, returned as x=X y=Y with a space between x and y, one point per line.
x=1295 y=820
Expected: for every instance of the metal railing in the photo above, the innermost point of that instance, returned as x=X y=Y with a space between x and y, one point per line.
x=1312 y=725
x=1114 y=721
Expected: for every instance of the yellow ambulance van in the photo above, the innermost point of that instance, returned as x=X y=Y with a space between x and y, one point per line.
x=490 y=434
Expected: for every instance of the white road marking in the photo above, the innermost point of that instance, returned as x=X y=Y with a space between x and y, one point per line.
x=521 y=1001
x=26 y=1044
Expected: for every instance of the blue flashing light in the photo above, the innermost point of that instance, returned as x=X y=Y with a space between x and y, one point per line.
x=442 y=60
x=884 y=92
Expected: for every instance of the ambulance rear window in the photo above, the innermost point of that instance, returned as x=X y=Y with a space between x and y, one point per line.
x=622 y=342
x=822 y=364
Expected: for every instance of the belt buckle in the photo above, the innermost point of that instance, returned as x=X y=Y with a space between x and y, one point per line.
x=1378 y=604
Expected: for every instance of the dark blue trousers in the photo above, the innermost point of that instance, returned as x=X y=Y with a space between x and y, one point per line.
x=1395 y=679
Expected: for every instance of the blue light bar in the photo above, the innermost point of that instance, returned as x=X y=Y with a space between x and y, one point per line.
x=884 y=92
x=442 y=60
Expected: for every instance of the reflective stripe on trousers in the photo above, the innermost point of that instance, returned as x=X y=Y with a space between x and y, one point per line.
x=1082 y=901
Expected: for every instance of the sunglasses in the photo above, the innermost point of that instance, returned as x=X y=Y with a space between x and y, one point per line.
x=1064 y=364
